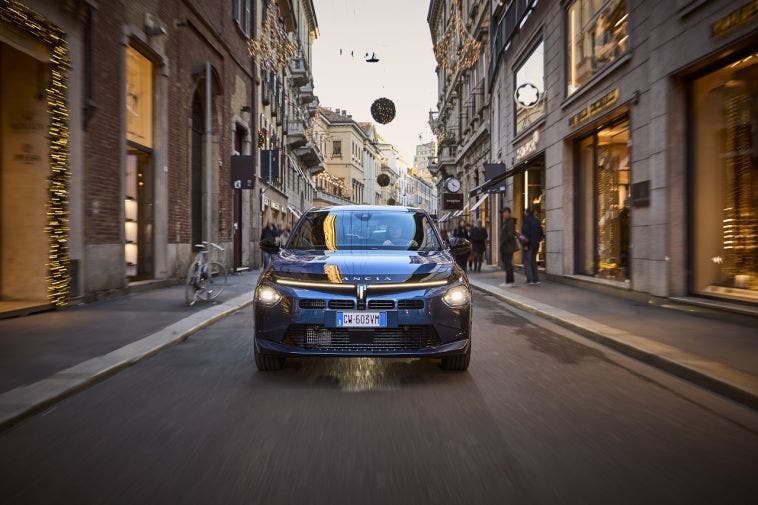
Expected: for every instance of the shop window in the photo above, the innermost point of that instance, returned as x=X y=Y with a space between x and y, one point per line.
x=724 y=204
x=530 y=89
x=603 y=203
x=598 y=35
x=529 y=191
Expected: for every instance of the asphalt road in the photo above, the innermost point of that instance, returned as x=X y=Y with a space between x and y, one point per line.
x=539 y=418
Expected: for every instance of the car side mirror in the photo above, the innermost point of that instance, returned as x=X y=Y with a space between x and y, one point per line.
x=269 y=245
x=459 y=246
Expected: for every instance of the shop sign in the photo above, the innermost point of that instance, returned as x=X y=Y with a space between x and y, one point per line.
x=593 y=109
x=528 y=148
x=641 y=194
x=452 y=201
x=735 y=19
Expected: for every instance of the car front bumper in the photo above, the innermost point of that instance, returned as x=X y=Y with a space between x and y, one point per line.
x=429 y=328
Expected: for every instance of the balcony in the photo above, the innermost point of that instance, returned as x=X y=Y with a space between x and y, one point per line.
x=447 y=154
x=312 y=107
x=296 y=134
x=299 y=71
x=311 y=158
x=306 y=94
x=323 y=198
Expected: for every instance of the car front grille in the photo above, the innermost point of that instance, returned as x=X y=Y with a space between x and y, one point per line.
x=312 y=303
x=405 y=338
x=381 y=304
x=341 y=304
x=410 y=304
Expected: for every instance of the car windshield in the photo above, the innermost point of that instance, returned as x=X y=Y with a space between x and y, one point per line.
x=332 y=230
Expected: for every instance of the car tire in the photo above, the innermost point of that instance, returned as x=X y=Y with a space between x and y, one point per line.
x=267 y=362
x=458 y=362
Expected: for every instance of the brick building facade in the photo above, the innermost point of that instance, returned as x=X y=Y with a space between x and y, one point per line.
x=159 y=95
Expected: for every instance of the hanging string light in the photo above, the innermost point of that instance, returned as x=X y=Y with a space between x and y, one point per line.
x=457 y=49
x=272 y=48
x=18 y=15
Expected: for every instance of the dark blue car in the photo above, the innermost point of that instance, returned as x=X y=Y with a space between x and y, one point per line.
x=363 y=281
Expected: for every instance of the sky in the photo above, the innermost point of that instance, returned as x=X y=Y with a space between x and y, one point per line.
x=397 y=31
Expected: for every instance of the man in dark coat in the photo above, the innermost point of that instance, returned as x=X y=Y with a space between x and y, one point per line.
x=508 y=244
x=461 y=232
x=532 y=230
x=268 y=232
x=478 y=245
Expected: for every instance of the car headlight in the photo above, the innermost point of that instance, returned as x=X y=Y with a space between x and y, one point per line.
x=267 y=295
x=457 y=296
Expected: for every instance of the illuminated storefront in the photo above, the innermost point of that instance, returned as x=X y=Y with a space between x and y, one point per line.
x=724 y=172
x=34 y=167
x=138 y=178
x=603 y=205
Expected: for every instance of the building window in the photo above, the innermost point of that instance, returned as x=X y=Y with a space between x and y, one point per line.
x=337 y=149
x=530 y=89
x=724 y=206
x=603 y=204
x=243 y=14
x=598 y=34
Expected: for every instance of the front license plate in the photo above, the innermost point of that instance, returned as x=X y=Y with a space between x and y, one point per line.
x=361 y=319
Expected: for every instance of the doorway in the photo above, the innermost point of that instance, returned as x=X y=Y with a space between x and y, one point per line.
x=196 y=179
x=138 y=215
x=24 y=172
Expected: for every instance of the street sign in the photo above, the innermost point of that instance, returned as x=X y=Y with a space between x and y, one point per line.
x=452 y=201
x=243 y=172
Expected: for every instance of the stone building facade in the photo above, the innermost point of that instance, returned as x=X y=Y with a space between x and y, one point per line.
x=462 y=120
x=630 y=126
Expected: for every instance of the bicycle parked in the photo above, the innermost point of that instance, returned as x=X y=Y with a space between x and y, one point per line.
x=206 y=279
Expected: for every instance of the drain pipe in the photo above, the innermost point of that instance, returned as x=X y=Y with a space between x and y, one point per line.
x=208 y=164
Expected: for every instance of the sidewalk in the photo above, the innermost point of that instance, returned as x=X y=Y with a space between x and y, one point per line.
x=38 y=346
x=717 y=354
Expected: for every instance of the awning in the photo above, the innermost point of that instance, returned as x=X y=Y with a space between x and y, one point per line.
x=479 y=202
x=294 y=210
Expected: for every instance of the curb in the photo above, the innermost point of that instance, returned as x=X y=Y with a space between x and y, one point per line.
x=24 y=401
x=716 y=377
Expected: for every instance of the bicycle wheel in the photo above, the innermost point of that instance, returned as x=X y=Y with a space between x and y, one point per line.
x=215 y=281
x=191 y=285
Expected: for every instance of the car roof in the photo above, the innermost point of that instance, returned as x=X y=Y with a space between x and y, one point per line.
x=340 y=208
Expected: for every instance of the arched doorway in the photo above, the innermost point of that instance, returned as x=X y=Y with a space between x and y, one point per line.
x=196 y=177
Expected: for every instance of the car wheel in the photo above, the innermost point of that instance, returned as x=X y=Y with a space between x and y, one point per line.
x=458 y=362
x=267 y=362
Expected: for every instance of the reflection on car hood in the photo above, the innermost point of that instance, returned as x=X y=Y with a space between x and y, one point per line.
x=375 y=267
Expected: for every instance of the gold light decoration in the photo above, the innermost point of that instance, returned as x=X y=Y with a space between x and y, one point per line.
x=457 y=49
x=17 y=14
x=383 y=110
x=272 y=48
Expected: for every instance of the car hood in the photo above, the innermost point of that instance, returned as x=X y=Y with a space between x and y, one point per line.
x=374 y=267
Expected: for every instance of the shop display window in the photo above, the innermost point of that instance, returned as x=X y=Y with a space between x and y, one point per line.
x=604 y=204
x=724 y=200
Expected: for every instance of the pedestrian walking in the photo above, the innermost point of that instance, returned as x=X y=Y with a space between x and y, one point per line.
x=269 y=232
x=508 y=244
x=531 y=229
x=478 y=244
x=462 y=232
x=283 y=238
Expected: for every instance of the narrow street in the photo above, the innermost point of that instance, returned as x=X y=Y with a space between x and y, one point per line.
x=540 y=417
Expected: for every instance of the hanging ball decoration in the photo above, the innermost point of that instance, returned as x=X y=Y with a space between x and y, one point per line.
x=383 y=180
x=383 y=110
